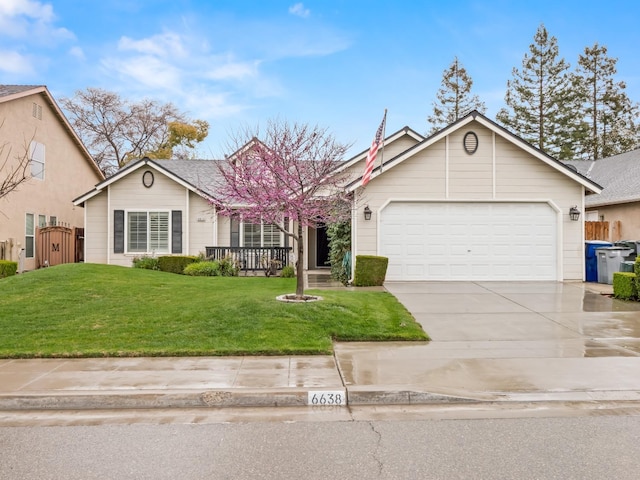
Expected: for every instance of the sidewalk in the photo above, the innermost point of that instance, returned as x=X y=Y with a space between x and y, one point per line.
x=492 y=342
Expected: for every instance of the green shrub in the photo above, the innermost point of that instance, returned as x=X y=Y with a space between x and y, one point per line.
x=7 y=268
x=370 y=270
x=175 y=263
x=339 y=235
x=148 y=263
x=287 y=272
x=203 y=269
x=636 y=270
x=624 y=285
x=228 y=267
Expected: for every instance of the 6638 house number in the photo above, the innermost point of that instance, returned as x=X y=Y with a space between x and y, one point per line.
x=334 y=397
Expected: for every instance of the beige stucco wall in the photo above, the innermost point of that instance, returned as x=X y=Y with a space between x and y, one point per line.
x=628 y=214
x=498 y=171
x=68 y=171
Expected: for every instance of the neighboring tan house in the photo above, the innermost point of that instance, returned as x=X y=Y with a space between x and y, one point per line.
x=619 y=202
x=60 y=167
x=472 y=203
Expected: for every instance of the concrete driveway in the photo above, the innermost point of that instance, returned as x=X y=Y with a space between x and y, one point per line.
x=513 y=340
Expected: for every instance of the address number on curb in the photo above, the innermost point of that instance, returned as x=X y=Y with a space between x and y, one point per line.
x=337 y=397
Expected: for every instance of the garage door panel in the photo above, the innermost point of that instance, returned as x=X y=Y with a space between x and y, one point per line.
x=469 y=241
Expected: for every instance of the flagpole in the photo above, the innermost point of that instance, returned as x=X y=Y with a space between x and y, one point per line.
x=384 y=133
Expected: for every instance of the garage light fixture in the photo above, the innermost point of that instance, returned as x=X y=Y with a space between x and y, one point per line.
x=574 y=213
x=367 y=213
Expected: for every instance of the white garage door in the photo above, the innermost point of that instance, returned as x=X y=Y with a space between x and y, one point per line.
x=469 y=241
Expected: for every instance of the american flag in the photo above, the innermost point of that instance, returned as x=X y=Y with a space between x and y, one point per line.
x=373 y=151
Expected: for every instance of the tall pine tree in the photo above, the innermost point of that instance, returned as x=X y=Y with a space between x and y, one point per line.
x=611 y=119
x=539 y=98
x=454 y=99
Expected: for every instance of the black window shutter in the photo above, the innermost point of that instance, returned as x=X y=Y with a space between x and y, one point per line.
x=118 y=231
x=176 y=231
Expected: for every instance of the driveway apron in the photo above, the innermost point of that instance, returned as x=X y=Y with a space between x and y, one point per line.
x=504 y=341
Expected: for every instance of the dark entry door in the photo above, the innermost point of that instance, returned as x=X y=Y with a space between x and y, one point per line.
x=322 y=246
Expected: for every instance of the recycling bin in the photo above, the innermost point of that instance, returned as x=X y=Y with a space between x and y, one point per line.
x=632 y=244
x=609 y=261
x=591 y=260
x=627 y=266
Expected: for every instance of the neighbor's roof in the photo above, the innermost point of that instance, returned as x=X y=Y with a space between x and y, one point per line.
x=619 y=176
x=6 y=90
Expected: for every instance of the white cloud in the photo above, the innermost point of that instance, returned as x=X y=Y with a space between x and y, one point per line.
x=299 y=10
x=30 y=20
x=29 y=8
x=147 y=71
x=164 y=45
x=77 y=52
x=14 y=63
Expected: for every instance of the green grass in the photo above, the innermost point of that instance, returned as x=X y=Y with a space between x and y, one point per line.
x=88 y=310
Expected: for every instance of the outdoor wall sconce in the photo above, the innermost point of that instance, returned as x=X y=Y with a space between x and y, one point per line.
x=367 y=213
x=574 y=213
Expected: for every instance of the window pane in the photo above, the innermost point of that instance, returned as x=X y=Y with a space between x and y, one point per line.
x=159 y=231
x=252 y=235
x=28 y=247
x=29 y=226
x=271 y=236
x=137 y=232
x=29 y=233
x=42 y=221
x=37 y=156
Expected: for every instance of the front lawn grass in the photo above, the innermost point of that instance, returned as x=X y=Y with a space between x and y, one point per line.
x=88 y=310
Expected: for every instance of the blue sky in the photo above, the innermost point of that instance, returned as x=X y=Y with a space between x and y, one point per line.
x=335 y=63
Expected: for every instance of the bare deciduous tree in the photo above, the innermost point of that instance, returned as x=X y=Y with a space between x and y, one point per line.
x=14 y=170
x=116 y=130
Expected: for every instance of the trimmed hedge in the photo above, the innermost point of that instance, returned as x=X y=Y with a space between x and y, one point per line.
x=625 y=286
x=8 y=268
x=371 y=270
x=175 y=263
x=205 y=268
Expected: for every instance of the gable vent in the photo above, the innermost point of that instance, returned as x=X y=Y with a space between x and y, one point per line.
x=470 y=143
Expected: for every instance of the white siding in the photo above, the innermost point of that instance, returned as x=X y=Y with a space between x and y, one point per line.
x=201 y=225
x=96 y=235
x=444 y=171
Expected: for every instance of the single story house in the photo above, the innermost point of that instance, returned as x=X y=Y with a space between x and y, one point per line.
x=471 y=202
x=619 y=202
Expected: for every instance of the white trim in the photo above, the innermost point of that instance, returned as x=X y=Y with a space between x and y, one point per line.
x=511 y=138
x=446 y=167
x=493 y=165
x=132 y=168
x=387 y=141
x=186 y=220
x=148 y=211
x=110 y=231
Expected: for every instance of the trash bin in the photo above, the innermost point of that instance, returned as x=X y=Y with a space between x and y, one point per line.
x=632 y=244
x=609 y=260
x=627 y=266
x=591 y=260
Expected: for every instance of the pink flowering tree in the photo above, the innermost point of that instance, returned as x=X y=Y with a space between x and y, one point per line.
x=288 y=173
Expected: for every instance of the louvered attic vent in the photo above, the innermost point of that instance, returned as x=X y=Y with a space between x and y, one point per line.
x=470 y=143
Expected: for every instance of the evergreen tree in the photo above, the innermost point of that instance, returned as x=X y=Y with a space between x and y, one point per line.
x=611 y=118
x=540 y=100
x=454 y=97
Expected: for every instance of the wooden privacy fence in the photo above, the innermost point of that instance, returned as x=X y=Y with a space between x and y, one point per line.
x=57 y=245
x=607 y=231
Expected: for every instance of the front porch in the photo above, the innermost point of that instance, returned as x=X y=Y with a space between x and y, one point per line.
x=252 y=258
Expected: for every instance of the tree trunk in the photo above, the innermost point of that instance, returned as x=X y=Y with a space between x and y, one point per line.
x=300 y=264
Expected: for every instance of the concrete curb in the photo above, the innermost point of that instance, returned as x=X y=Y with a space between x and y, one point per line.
x=291 y=397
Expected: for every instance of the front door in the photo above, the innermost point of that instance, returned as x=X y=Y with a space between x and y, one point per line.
x=322 y=247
